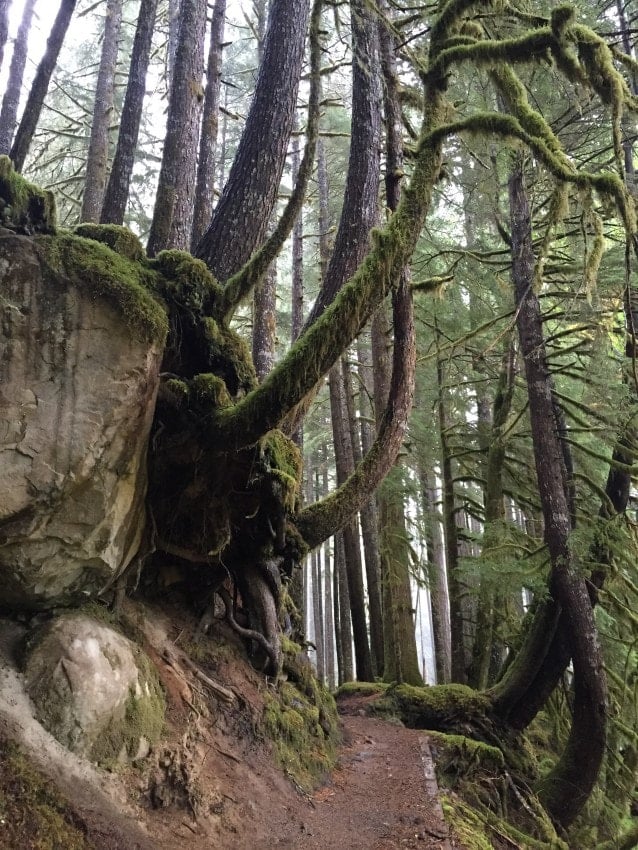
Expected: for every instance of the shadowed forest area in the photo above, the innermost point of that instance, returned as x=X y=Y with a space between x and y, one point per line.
x=318 y=375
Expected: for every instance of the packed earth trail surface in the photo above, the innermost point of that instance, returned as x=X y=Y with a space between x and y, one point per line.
x=213 y=781
x=382 y=796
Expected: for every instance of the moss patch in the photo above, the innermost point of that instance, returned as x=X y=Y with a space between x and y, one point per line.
x=143 y=719
x=300 y=717
x=32 y=815
x=440 y=707
x=118 y=239
x=24 y=207
x=98 y=271
x=363 y=689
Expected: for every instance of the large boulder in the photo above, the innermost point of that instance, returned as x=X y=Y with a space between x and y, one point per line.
x=81 y=341
x=94 y=690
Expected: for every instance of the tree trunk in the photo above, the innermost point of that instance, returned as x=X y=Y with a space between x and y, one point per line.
x=368 y=513
x=400 y=656
x=329 y=625
x=117 y=189
x=11 y=99
x=204 y=192
x=5 y=5
x=251 y=190
x=437 y=580
x=172 y=216
x=458 y=670
x=345 y=464
x=343 y=625
x=98 y=155
x=40 y=85
x=317 y=611
x=566 y=789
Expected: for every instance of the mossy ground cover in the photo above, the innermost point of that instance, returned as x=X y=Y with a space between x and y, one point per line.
x=32 y=815
x=300 y=717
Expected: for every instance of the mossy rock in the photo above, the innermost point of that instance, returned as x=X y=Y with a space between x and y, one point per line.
x=24 y=207
x=118 y=239
x=127 y=285
x=439 y=707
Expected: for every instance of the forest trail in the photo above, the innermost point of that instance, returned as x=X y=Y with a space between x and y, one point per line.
x=382 y=796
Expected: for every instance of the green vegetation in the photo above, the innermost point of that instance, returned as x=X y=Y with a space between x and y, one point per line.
x=301 y=720
x=24 y=207
x=32 y=814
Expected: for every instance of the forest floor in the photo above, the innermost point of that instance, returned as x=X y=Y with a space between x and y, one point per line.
x=222 y=788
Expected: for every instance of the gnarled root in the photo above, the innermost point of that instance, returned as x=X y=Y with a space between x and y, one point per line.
x=271 y=647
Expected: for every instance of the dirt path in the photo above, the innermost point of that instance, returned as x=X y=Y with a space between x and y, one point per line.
x=383 y=795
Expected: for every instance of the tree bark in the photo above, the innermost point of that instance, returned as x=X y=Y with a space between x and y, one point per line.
x=5 y=5
x=566 y=789
x=350 y=532
x=172 y=216
x=117 y=189
x=204 y=192
x=98 y=154
x=343 y=625
x=11 y=99
x=249 y=196
x=40 y=85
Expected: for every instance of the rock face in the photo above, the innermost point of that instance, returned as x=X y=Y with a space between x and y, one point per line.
x=77 y=394
x=94 y=690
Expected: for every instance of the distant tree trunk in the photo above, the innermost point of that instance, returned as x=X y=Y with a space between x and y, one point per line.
x=98 y=154
x=437 y=581
x=401 y=660
x=343 y=628
x=249 y=196
x=369 y=516
x=117 y=189
x=458 y=672
x=204 y=192
x=5 y=5
x=11 y=99
x=317 y=610
x=345 y=465
x=297 y=294
x=40 y=85
x=329 y=624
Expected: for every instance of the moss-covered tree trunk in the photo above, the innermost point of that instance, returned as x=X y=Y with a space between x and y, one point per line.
x=566 y=789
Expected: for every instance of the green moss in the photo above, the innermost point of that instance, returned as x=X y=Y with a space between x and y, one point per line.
x=23 y=206
x=440 y=707
x=143 y=719
x=462 y=754
x=97 y=270
x=361 y=688
x=301 y=719
x=466 y=824
x=283 y=463
x=32 y=814
x=187 y=280
x=209 y=390
x=118 y=239
x=227 y=348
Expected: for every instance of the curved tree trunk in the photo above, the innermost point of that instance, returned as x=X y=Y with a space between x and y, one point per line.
x=97 y=159
x=40 y=85
x=565 y=790
x=11 y=99
x=250 y=193
x=117 y=189
x=172 y=214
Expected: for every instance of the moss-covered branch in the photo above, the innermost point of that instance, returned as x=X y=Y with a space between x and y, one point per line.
x=240 y=285
x=322 y=519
